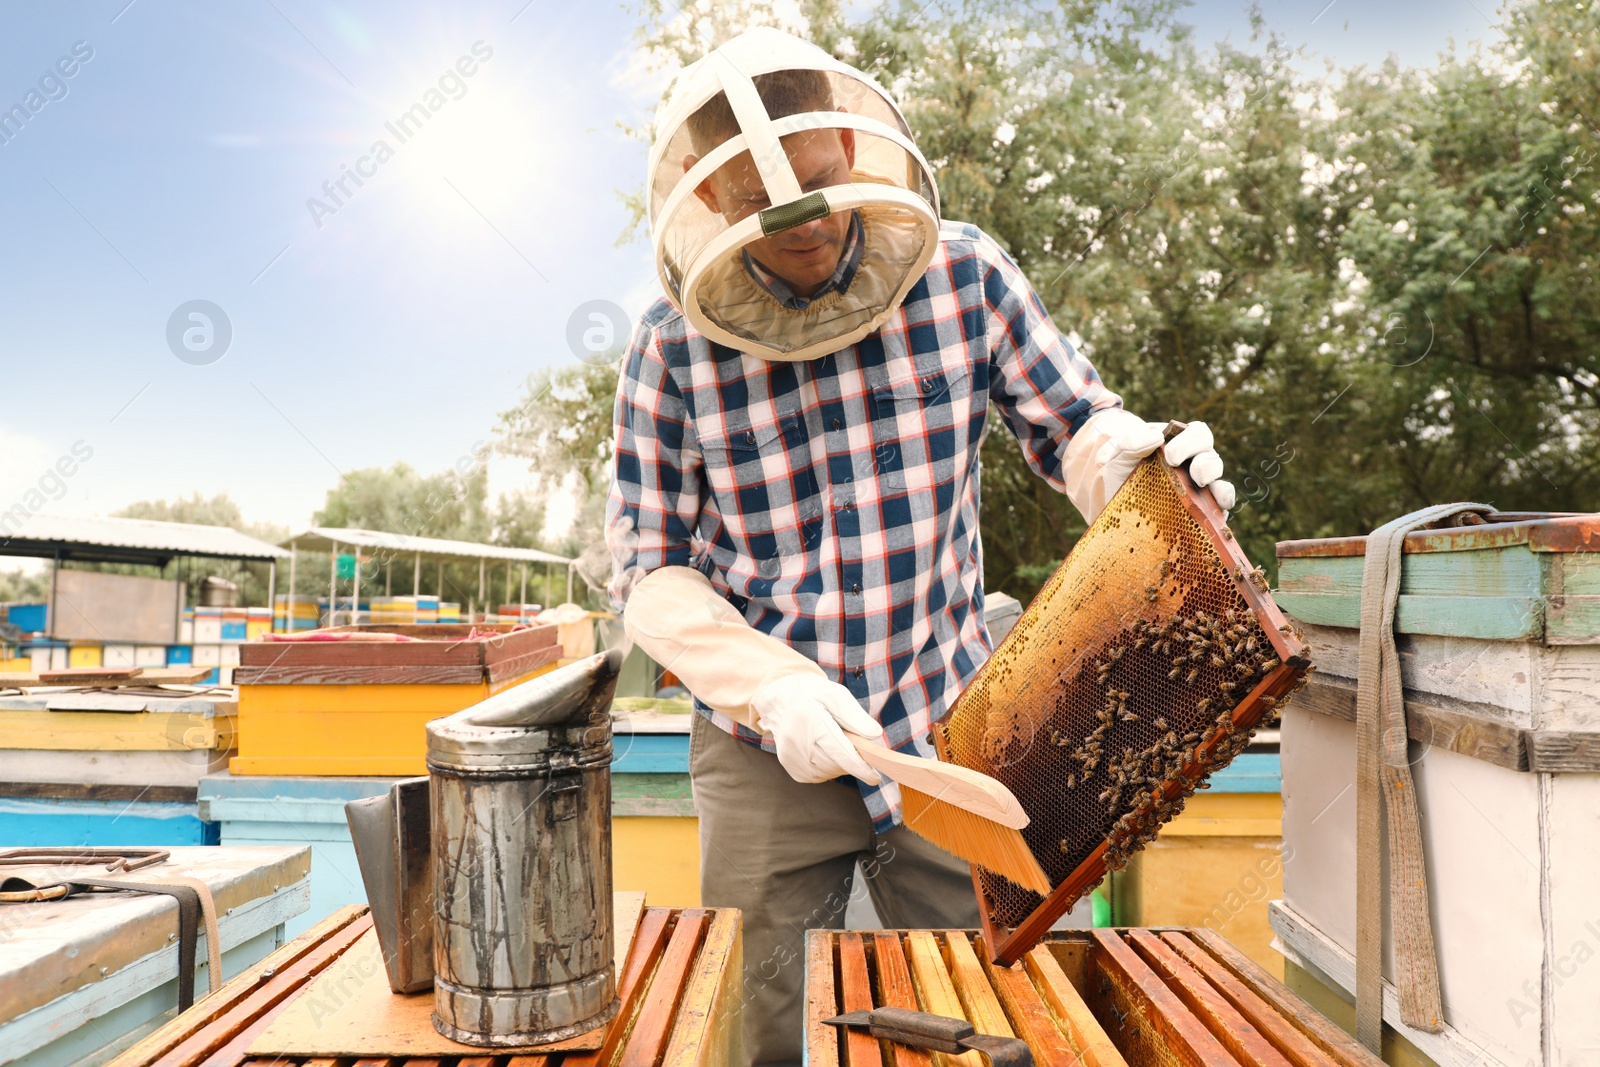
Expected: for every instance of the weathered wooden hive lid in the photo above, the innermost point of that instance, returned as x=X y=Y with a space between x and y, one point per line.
x=557 y=721
x=1540 y=531
x=1518 y=576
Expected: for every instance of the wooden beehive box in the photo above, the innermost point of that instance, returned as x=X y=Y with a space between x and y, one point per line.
x=360 y=707
x=1100 y=998
x=1498 y=631
x=680 y=993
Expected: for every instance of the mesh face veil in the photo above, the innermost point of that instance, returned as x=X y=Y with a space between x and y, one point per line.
x=789 y=209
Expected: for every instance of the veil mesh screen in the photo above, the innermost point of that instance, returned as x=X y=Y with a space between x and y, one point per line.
x=1117 y=691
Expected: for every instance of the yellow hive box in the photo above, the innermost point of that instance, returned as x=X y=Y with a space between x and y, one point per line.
x=1214 y=866
x=114 y=731
x=348 y=729
x=335 y=706
x=83 y=656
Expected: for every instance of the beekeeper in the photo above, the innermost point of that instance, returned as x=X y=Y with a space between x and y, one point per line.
x=794 y=509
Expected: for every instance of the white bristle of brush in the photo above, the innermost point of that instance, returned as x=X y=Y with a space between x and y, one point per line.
x=975 y=839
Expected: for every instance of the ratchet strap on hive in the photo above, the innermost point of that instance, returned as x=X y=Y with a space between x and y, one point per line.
x=1381 y=758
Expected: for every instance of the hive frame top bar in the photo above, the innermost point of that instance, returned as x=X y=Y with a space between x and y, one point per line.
x=1009 y=945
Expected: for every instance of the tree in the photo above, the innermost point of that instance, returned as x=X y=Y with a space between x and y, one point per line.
x=562 y=427
x=18 y=585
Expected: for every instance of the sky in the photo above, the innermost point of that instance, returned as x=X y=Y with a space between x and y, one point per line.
x=189 y=296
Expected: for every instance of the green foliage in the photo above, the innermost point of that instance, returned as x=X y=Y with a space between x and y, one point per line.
x=451 y=504
x=562 y=427
x=1376 y=287
x=20 y=585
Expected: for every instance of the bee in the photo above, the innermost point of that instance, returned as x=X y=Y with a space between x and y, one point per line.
x=1258 y=577
x=1152 y=596
x=1244 y=669
x=1227 y=533
x=1250 y=643
x=1227 y=687
x=1190 y=738
x=1160 y=723
x=1115 y=654
x=1140 y=642
x=1218 y=661
x=1065 y=847
x=1192 y=675
x=1203 y=704
x=1268 y=665
x=1172 y=675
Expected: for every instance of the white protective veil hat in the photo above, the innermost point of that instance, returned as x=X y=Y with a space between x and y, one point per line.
x=701 y=253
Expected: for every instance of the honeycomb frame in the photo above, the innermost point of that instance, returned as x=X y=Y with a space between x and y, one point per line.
x=1140 y=668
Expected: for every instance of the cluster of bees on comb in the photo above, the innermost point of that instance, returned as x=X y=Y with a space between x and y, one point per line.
x=1215 y=660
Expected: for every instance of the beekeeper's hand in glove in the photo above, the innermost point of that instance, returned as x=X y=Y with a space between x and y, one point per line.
x=676 y=616
x=1107 y=448
x=807 y=716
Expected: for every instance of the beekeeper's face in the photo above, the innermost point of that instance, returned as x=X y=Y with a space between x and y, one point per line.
x=806 y=255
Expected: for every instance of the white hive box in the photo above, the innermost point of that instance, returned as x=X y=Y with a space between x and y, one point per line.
x=1498 y=630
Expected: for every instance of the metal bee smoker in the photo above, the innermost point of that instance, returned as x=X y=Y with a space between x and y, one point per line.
x=521 y=803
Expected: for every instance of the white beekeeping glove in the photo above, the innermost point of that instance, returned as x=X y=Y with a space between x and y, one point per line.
x=1104 y=452
x=807 y=716
x=682 y=623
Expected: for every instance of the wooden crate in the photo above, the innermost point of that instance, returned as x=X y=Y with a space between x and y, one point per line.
x=360 y=708
x=1132 y=997
x=681 y=990
x=1498 y=631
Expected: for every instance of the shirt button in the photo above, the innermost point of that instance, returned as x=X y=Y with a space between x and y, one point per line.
x=847 y=505
x=856 y=589
x=861 y=672
x=838 y=424
x=749 y=438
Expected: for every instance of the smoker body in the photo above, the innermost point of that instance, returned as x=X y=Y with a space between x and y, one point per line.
x=521 y=802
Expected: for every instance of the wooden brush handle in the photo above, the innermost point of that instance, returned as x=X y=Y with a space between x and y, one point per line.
x=948 y=783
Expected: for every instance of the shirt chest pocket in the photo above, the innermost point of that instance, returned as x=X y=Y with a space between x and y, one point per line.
x=922 y=429
x=766 y=492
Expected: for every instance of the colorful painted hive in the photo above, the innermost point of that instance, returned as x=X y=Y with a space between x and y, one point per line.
x=258 y=621
x=393 y=610
x=1498 y=633
x=358 y=707
x=108 y=768
x=655 y=844
x=294 y=613
x=83 y=977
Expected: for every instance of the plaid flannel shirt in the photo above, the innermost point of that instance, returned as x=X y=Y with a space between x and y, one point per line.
x=834 y=502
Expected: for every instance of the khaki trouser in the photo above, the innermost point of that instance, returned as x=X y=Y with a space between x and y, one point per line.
x=785 y=855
